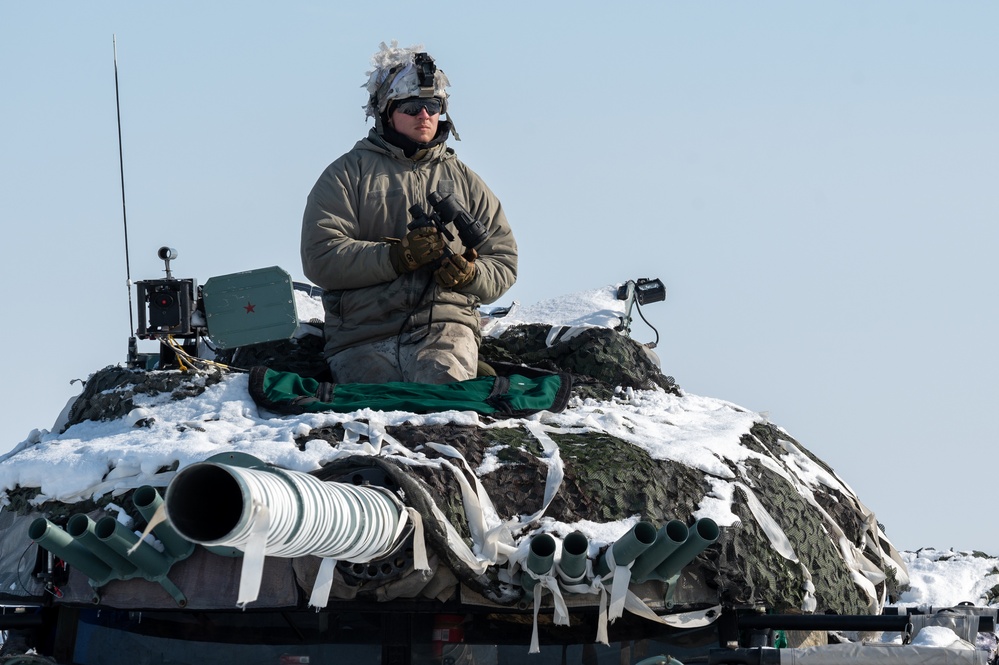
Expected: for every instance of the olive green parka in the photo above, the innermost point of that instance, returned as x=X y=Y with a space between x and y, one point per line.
x=359 y=202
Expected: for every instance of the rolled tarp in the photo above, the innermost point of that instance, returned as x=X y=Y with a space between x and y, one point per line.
x=860 y=653
x=867 y=653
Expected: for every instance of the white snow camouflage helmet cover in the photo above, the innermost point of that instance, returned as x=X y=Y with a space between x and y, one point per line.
x=396 y=76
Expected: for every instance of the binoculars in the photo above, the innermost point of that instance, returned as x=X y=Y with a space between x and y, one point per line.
x=446 y=210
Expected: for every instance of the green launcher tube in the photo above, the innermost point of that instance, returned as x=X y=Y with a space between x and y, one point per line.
x=572 y=564
x=704 y=532
x=629 y=546
x=151 y=563
x=76 y=554
x=81 y=528
x=147 y=500
x=668 y=539
x=540 y=559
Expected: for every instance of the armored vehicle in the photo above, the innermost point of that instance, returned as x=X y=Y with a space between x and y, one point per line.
x=222 y=500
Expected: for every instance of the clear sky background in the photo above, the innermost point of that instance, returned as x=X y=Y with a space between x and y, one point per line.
x=817 y=183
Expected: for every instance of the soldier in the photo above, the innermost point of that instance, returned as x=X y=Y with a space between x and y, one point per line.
x=401 y=304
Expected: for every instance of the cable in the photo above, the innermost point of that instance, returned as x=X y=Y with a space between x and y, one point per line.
x=19 y=560
x=639 y=308
x=195 y=362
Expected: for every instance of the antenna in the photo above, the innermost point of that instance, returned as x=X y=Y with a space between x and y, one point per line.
x=133 y=352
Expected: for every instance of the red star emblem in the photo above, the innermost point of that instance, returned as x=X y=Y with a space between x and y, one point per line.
x=249 y=308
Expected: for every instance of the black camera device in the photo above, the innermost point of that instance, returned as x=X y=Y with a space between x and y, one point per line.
x=447 y=210
x=169 y=306
x=169 y=303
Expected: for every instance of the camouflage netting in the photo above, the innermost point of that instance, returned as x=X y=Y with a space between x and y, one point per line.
x=108 y=394
x=606 y=478
x=599 y=359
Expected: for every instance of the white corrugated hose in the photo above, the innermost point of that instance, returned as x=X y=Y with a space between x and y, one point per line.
x=291 y=514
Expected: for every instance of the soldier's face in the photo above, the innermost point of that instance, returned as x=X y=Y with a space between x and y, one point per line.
x=421 y=127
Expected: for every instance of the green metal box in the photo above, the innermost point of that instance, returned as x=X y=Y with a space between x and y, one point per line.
x=250 y=307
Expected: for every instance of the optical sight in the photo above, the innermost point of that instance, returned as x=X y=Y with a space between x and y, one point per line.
x=166 y=255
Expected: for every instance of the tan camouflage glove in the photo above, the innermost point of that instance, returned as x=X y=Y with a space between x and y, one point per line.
x=420 y=247
x=456 y=271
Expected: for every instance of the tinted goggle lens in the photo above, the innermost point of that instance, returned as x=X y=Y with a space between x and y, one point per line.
x=414 y=106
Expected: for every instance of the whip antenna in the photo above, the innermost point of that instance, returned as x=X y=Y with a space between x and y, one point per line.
x=132 y=344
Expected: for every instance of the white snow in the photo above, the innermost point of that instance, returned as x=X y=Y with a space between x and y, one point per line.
x=598 y=307
x=943 y=578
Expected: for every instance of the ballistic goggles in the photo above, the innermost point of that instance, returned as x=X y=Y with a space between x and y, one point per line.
x=414 y=105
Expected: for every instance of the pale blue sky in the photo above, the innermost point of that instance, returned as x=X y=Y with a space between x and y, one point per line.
x=814 y=181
